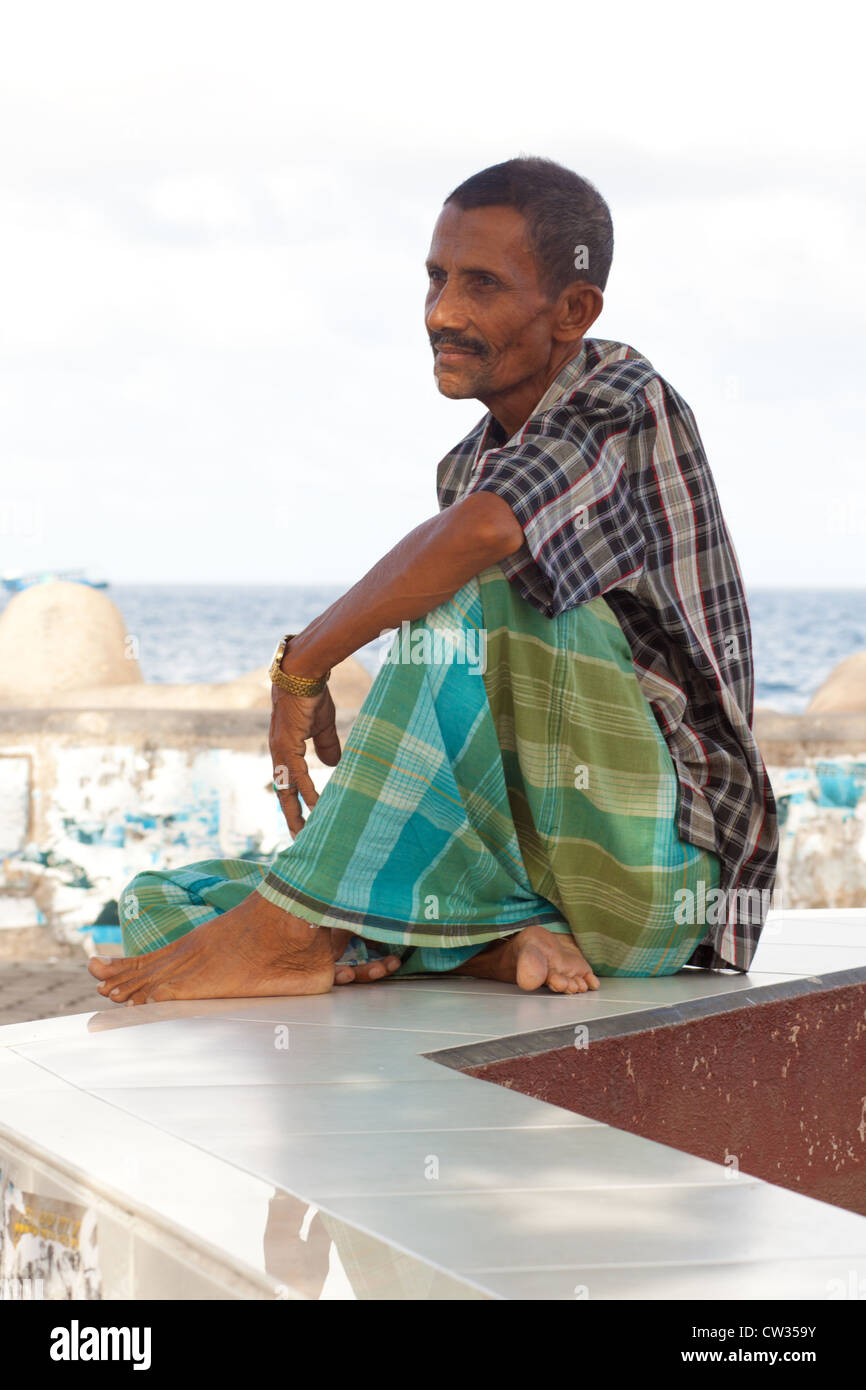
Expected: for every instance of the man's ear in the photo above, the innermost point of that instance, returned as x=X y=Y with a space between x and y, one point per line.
x=577 y=308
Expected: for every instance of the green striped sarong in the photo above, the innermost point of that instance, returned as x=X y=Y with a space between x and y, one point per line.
x=505 y=769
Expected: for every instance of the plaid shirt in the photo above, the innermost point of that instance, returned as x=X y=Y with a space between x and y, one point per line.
x=610 y=483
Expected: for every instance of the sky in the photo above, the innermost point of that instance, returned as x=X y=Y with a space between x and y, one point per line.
x=213 y=225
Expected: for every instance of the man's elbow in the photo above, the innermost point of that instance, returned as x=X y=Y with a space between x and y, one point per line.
x=492 y=525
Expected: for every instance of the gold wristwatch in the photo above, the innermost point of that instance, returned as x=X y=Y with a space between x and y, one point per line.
x=295 y=685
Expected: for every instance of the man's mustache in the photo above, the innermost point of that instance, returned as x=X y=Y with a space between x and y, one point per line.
x=441 y=340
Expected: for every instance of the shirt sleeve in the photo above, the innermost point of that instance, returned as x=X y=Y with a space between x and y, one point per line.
x=565 y=477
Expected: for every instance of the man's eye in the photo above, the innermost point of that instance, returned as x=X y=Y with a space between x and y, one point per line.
x=436 y=274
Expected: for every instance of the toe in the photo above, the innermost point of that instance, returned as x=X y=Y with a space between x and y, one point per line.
x=566 y=981
x=119 y=993
x=139 y=997
x=376 y=969
x=119 y=986
x=345 y=975
x=103 y=967
x=366 y=972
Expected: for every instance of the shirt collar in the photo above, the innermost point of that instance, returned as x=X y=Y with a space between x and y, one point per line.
x=562 y=385
x=565 y=382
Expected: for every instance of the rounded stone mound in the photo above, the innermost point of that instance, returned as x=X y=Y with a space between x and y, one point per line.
x=844 y=690
x=61 y=636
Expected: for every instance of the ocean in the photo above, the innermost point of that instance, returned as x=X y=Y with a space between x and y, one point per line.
x=214 y=633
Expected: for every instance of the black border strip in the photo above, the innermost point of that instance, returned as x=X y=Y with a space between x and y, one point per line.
x=640 y=1021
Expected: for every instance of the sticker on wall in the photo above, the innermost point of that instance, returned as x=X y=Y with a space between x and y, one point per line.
x=47 y=1244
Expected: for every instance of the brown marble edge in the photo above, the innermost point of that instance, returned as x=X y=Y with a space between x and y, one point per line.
x=631 y=1020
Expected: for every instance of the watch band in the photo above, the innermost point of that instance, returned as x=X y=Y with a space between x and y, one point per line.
x=295 y=685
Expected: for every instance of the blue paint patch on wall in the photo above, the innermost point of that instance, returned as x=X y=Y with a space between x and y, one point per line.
x=841 y=784
x=838 y=784
x=103 y=933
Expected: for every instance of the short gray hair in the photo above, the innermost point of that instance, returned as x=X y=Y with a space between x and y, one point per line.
x=563 y=211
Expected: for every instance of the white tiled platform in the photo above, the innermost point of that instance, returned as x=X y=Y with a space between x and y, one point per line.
x=219 y=1162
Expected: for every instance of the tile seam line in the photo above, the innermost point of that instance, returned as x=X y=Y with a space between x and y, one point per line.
x=244 y=1086
x=661 y=1264
x=409 y=1033
x=167 y=1085
x=257 y=1022
x=347 y=1027
x=632 y=1005
x=462 y=1129
x=490 y=1190
x=604 y=994
x=271 y=1085
x=208 y=1085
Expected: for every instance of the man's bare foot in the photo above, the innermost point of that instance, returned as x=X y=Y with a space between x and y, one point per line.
x=532 y=958
x=253 y=950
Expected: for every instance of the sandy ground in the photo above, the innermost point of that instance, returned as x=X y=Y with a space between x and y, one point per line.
x=46 y=989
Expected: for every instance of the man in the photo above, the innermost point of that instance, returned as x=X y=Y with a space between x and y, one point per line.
x=559 y=789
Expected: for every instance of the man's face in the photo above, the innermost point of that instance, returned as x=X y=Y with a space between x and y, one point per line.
x=488 y=321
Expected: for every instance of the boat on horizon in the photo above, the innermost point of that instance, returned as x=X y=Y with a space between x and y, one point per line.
x=14 y=581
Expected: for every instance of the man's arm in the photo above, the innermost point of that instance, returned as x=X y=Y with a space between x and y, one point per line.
x=427 y=567
x=423 y=570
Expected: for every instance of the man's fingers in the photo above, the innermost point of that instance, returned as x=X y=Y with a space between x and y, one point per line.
x=290 y=806
x=294 y=775
x=325 y=739
x=292 y=781
x=300 y=776
x=327 y=745
x=294 y=720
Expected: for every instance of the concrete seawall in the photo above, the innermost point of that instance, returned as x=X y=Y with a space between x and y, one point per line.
x=89 y=797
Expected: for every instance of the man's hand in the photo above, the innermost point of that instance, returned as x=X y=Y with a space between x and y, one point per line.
x=294 y=719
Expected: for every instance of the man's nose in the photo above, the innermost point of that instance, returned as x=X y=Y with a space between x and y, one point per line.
x=446 y=311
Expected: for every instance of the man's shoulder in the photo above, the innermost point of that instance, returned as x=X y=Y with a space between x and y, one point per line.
x=612 y=391
x=612 y=372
